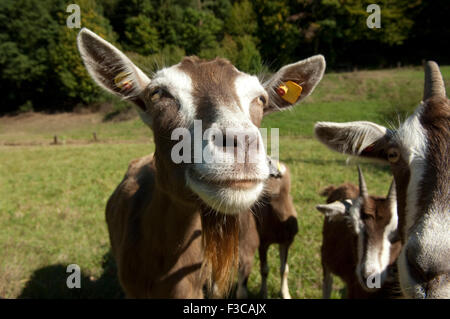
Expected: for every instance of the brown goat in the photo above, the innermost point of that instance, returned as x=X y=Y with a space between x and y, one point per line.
x=360 y=241
x=272 y=221
x=174 y=219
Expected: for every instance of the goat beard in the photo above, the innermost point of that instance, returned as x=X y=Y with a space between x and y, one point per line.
x=220 y=236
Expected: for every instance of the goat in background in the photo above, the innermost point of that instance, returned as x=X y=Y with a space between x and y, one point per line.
x=360 y=240
x=273 y=221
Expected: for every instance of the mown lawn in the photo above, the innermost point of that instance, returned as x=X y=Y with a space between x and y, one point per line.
x=52 y=197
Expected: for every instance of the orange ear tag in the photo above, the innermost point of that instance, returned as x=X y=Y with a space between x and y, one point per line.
x=121 y=82
x=289 y=91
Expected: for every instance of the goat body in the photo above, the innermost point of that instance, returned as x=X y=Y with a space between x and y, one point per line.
x=272 y=221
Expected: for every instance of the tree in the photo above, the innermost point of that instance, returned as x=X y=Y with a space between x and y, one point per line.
x=25 y=69
x=278 y=35
x=74 y=83
x=141 y=36
x=199 y=30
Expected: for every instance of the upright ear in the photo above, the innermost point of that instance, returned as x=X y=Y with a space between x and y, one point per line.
x=111 y=69
x=306 y=74
x=361 y=138
x=333 y=209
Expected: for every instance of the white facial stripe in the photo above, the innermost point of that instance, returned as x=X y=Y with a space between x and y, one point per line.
x=390 y=229
x=368 y=261
x=375 y=261
x=179 y=84
x=372 y=262
x=360 y=255
x=247 y=89
x=355 y=215
x=228 y=118
x=412 y=138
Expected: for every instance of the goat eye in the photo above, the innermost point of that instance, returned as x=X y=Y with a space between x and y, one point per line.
x=262 y=100
x=155 y=94
x=393 y=155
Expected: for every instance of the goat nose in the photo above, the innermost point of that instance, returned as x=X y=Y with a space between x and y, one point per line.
x=241 y=143
x=367 y=273
x=371 y=278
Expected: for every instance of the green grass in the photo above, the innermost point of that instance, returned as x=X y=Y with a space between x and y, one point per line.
x=52 y=198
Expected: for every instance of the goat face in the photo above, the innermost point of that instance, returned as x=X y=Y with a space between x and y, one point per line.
x=374 y=222
x=419 y=155
x=205 y=116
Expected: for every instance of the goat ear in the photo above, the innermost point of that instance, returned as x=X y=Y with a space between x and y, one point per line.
x=111 y=69
x=361 y=138
x=306 y=73
x=332 y=209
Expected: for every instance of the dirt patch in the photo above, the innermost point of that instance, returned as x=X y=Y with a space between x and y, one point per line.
x=31 y=121
x=39 y=129
x=77 y=142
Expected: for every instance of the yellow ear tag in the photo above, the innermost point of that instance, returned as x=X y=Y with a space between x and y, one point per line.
x=120 y=83
x=289 y=91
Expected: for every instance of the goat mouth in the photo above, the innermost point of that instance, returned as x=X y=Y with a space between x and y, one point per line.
x=230 y=183
x=234 y=183
x=229 y=196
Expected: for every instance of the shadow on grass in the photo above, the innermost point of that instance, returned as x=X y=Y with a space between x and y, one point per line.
x=50 y=283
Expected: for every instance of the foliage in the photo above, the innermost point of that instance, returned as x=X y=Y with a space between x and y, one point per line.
x=75 y=83
x=141 y=36
x=25 y=69
x=39 y=61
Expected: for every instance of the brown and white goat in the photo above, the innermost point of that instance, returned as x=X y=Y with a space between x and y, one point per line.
x=272 y=221
x=419 y=156
x=174 y=225
x=360 y=241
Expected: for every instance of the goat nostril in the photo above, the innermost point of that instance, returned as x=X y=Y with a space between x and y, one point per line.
x=243 y=144
x=219 y=141
x=224 y=141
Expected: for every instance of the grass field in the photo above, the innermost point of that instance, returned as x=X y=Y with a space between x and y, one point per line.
x=52 y=197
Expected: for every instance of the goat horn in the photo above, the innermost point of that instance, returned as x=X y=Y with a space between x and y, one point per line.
x=434 y=84
x=392 y=194
x=362 y=184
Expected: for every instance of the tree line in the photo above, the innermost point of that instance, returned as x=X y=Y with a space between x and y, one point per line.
x=40 y=67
